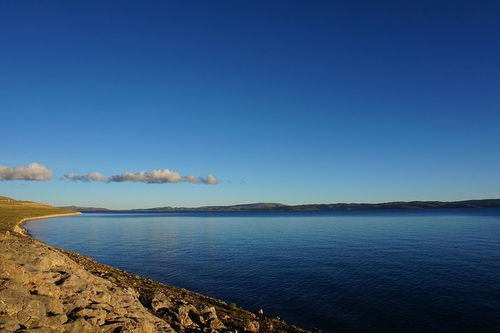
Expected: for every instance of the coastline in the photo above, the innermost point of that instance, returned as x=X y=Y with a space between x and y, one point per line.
x=19 y=227
x=63 y=291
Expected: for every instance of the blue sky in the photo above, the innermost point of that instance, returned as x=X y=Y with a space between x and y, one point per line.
x=283 y=101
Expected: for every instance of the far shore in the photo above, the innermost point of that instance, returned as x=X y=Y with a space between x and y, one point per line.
x=332 y=207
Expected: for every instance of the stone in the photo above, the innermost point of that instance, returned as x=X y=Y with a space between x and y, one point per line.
x=146 y=327
x=42 y=289
x=80 y=325
x=55 y=321
x=252 y=326
x=95 y=317
x=38 y=330
x=216 y=324
x=10 y=324
x=31 y=314
x=209 y=313
x=160 y=301
x=10 y=302
x=52 y=305
x=183 y=315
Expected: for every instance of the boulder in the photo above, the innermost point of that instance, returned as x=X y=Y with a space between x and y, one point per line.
x=216 y=324
x=32 y=314
x=184 y=316
x=160 y=301
x=252 y=326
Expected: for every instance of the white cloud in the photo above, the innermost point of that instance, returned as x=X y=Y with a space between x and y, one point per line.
x=211 y=179
x=160 y=176
x=33 y=171
x=94 y=176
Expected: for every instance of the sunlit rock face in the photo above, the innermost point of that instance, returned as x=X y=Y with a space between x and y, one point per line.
x=42 y=288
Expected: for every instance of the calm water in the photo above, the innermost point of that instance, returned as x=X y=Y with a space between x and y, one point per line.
x=374 y=272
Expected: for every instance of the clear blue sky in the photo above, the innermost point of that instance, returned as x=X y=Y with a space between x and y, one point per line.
x=283 y=101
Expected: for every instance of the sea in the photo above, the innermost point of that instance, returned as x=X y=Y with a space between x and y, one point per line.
x=369 y=271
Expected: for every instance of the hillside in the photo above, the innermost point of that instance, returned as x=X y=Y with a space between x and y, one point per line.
x=278 y=207
x=12 y=211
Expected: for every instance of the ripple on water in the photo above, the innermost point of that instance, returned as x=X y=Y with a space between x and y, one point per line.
x=433 y=271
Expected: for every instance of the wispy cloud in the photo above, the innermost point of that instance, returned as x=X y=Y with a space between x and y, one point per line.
x=160 y=176
x=33 y=171
x=94 y=177
x=209 y=179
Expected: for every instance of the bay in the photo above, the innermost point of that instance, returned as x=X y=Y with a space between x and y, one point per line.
x=391 y=271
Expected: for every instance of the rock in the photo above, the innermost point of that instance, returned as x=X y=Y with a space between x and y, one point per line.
x=38 y=330
x=8 y=323
x=10 y=301
x=210 y=318
x=52 y=305
x=95 y=317
x=44 y=290
x=209 y=313
x=216 y=324
x=146 y=327
x=56 y=321
x=32 y=313
x=80 y=325
x=252 y=326
x=184 y=315
x=160 y=301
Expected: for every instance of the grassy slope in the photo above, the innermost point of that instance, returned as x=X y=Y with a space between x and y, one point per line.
x=13 y=211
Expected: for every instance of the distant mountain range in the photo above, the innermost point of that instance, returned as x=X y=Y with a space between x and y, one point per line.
x=265 y=207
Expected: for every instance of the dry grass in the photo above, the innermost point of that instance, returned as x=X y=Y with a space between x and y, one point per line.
x=13 y=211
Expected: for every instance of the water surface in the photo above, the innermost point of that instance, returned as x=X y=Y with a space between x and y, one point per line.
x=431 y=271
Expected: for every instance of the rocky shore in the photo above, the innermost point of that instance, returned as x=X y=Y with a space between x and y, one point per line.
x=46 y=289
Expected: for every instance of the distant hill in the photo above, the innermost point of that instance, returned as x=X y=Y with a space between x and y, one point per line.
x=266 y=206
x=86 y=209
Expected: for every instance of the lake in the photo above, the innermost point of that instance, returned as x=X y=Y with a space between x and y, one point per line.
x=391 y=271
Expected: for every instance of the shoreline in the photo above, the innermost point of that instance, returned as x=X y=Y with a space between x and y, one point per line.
x=20 y=229
x=158 y=307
